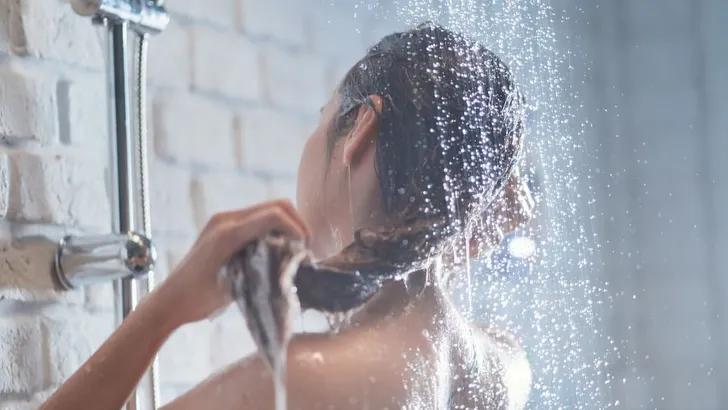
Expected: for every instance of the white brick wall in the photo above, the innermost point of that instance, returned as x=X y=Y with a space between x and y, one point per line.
x=33 y=115
x=231 y=81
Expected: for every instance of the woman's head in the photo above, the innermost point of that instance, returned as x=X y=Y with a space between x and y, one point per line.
x=426 y=127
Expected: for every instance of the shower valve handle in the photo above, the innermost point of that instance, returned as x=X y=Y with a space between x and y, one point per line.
x=87 y=260
x=84 y=260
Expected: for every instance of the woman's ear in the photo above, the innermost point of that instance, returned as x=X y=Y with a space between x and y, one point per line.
x=363 y=135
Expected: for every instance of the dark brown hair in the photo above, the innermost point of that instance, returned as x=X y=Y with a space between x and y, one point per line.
x=450 y=133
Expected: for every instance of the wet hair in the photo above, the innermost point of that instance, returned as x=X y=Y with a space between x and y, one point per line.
x=450 y=132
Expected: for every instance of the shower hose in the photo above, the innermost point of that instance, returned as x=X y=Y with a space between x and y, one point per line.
x=142 y=178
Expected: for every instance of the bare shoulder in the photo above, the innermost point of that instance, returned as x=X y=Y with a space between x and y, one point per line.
x=517 y=376
x=345 y=371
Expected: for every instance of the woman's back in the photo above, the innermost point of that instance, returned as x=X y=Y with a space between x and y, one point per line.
x=448 y=363
x=426 y=357
x=456 y=365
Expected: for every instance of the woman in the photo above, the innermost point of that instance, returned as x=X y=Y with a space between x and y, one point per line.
x=419 y=139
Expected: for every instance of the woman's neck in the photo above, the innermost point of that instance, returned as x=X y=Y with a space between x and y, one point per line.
x=395 y=300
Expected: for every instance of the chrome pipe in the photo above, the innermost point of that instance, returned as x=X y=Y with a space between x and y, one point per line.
x=127 y=296
x=124 y=147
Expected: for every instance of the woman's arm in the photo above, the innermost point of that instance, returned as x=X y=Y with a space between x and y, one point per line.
x=110 y=375
x=191 y=293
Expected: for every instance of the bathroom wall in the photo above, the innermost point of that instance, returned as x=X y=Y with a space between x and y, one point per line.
x=657 y=152
x=235 y=88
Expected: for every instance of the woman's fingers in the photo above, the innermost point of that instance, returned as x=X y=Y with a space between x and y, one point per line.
x=235 y=233
x=223 y=218
x=291 y=210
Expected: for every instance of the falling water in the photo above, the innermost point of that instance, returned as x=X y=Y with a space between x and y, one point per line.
x=551 y=299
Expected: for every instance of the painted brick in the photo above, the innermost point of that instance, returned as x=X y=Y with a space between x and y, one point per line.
x=26 y=272
x=170 y=60
x=190 y=128
x=215 y=192
x=27 y=104
x=21 y=405
x=73 y=39
x=283 y=188
x=262 y=133
x=219 y=13
x=57 y=189
x=100 y=297
x=84 y=113
x=295 y=80
x=170 y=200
x=8 y=19
x=225 y=64
x=22 y=370
x=281 y=20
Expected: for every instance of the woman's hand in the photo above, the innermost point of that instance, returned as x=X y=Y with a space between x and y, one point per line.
x=191 y=293
x=193 y=290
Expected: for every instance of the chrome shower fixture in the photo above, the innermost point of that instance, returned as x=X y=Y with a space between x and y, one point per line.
x=127 y=253
x=144 y=16
x=87 y=260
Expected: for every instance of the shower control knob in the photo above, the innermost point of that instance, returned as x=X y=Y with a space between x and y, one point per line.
x=139 y=254
x=88 y=260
